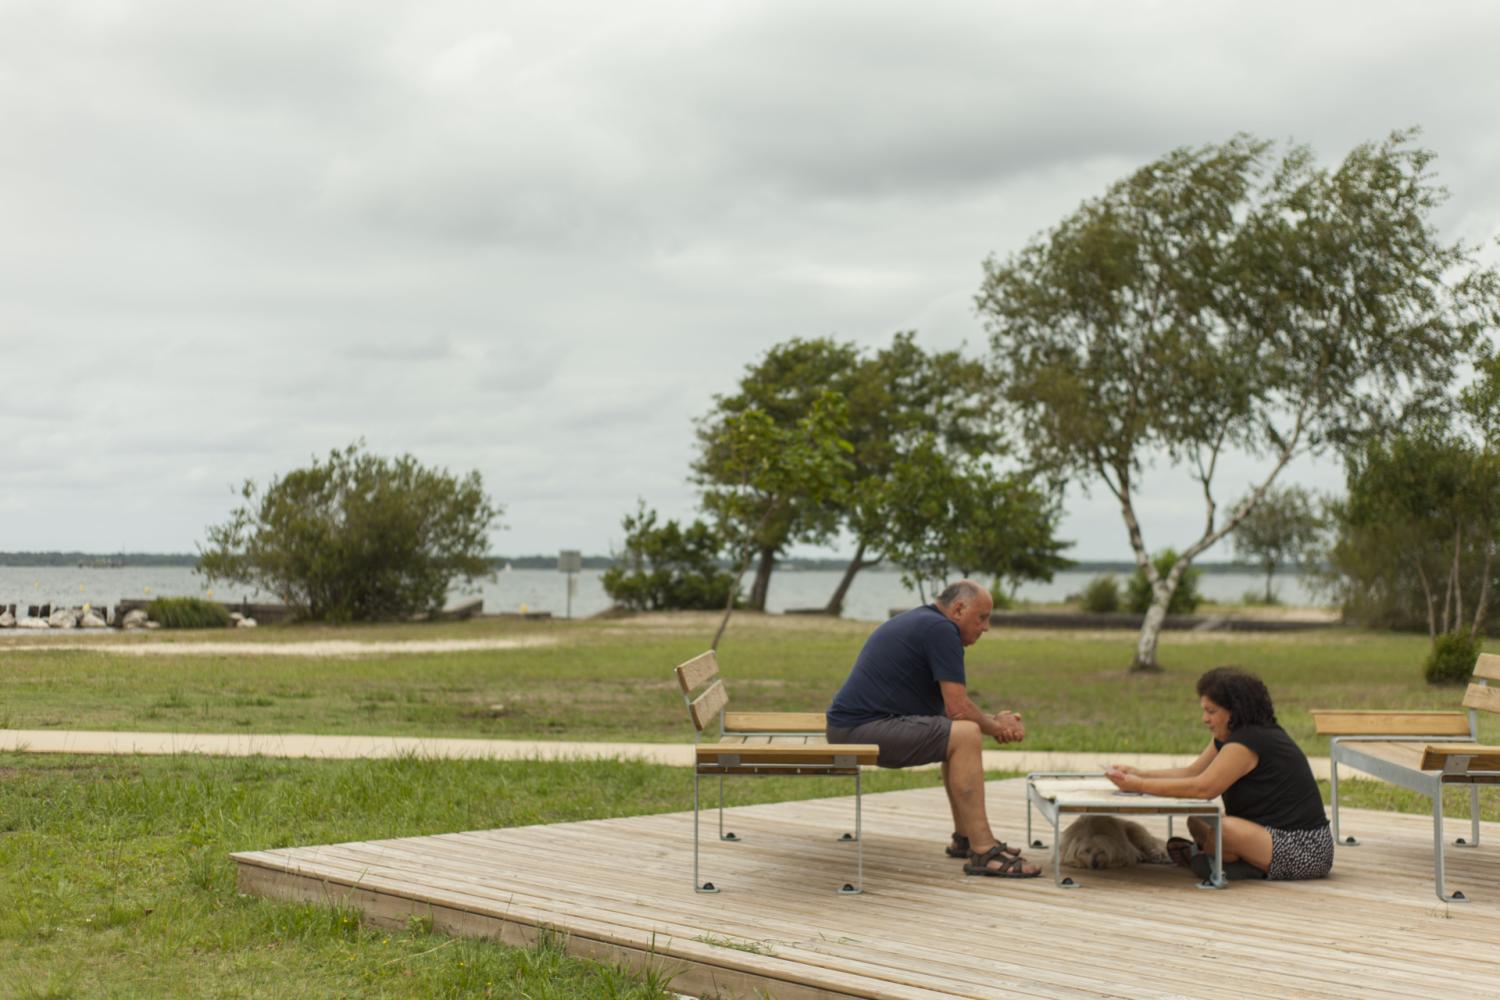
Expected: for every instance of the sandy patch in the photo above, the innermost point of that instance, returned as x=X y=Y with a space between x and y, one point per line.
x=329 y=647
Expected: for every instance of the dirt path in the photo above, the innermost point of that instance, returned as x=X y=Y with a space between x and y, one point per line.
x=328 y=647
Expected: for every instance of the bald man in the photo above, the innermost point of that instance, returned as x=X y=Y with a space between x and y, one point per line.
x=907 y=694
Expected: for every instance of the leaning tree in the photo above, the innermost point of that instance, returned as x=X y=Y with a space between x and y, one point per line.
x=1231 y=299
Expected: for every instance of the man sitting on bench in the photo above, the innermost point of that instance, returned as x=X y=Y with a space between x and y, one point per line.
x=907 y=694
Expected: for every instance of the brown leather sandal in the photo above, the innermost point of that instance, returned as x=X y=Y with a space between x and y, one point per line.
x=960 y=847
x=1011 y=865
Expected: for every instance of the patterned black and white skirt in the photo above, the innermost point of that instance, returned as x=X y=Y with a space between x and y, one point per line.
x=1300 y=854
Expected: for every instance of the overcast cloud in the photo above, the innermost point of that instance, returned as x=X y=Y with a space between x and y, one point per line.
x=534 y=239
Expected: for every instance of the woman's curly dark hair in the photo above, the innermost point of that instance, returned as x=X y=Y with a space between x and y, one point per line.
x=1241 y=694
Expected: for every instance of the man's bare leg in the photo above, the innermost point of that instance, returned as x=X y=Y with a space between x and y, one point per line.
x=963 y=779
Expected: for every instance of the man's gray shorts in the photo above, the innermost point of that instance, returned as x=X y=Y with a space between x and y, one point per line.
x=905 y=741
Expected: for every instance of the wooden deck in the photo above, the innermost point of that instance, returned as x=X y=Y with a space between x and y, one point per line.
x=621 y=890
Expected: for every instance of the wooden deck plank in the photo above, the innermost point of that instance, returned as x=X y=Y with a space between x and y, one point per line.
x=923 y=928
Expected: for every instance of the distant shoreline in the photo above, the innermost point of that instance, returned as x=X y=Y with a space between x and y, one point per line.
x=110 y=560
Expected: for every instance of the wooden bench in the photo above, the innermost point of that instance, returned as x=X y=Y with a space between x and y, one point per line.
x=766 y=744
x=1420 y=751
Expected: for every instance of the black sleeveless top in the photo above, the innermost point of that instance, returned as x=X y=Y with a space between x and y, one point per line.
x=1280 y=791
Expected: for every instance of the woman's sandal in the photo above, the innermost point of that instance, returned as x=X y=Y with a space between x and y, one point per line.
x=960 y=847
x=1010 y=865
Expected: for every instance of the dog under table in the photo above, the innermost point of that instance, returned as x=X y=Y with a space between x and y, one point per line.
x=1056 y=794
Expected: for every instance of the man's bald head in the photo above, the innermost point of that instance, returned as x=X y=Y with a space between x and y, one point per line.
x=967 y=605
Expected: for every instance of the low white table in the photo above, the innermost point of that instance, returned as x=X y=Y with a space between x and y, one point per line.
x=1056 y=794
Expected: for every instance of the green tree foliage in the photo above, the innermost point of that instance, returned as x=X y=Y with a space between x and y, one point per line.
x=892 y=399
x=765 y=470
x=1285 y=526
x=945 y=513
x=1222 y=299
x=356 y=537
x=667 y=566
x=1419 y=530
x=1140 y=593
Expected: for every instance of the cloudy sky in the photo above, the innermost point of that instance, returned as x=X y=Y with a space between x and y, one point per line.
x=534 y=239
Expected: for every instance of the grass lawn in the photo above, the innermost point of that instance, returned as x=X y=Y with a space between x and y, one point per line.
x=114 y=871
x=611 y=680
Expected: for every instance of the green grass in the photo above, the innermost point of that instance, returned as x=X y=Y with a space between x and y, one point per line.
x=114 y=871
x=117 y=881
x=612 y=681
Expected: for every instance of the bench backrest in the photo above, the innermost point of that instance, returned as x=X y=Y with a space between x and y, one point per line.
x=1480 y=697
x=701 y=675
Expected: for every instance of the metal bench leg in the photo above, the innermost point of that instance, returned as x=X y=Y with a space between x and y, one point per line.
x=697 y=886
x=1333 y=793
x=1437 y=851
x=1473 y=819
x=859 y=883
x=722 y=834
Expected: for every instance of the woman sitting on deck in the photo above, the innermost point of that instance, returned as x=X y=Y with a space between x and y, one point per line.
x=1274 y=823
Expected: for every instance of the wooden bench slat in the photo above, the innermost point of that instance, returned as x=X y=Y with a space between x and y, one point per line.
x=697 y=671
x=807 y=754
x=1485 y=699
x=1484 y=758
x=1405 y=754
x=705 y=708
x=1331 y=722
x=1488 y=666
x=775 y=722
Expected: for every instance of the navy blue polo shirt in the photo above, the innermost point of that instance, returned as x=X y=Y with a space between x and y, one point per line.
x=898 y=670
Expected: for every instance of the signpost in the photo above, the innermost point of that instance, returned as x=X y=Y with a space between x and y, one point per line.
x=570 y=561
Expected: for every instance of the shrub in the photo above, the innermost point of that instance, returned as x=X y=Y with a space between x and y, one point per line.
x=1185 y=598
x=1102 y=595
x=1452 y=658
x=356 y=538
x=667 y=566
x=187 y=612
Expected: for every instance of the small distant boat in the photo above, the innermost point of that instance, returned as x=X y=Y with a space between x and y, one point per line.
x=508 y=567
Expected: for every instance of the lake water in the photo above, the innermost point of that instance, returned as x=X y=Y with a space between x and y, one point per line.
x=870 y=599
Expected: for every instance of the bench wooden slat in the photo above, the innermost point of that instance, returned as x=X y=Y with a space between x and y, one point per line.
x=1485 y=699
x=705 y=708
x=775 y=722
x=807 y=754
x=697 y=671
x=1404 y=753
x=1359 y=723
x=1488 y=666
x=1484 y=758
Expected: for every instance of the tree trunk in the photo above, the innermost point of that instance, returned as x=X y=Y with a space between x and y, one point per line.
x=1270 y=571
x=835 y=604
x=1145 y=645
x=762 y=584
x=1484 y=596
x=734 y=590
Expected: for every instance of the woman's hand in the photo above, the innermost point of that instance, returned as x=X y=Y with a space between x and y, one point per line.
x=1123 y=781
x=1124 y=769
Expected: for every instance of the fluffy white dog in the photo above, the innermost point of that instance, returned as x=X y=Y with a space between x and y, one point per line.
x=1110 y=842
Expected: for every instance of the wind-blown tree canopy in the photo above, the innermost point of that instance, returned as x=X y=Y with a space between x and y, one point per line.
x=766 y=469
x=892 y=399
x=1224 y=299
x=782 y=390
x=1285 y=526
x=356 y=538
